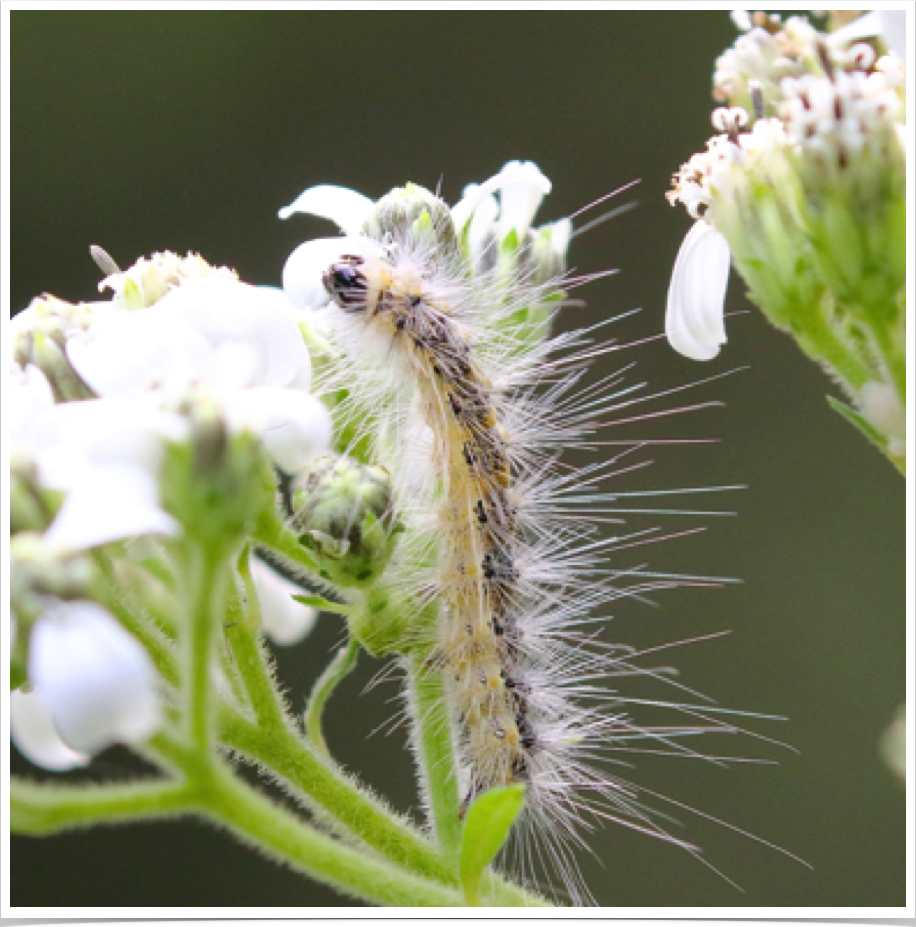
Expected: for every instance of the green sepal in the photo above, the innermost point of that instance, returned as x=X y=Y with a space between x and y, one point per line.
x=325 y=605
x=866 y=428
x=486 y=829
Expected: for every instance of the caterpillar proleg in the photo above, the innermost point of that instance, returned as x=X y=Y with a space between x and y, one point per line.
x=441 y=317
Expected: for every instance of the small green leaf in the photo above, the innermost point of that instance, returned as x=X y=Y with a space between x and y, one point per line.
x=486 y=829
x=316 y=601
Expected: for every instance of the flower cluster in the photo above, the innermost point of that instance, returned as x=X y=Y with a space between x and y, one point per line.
x=106 y=397
x=804 y=188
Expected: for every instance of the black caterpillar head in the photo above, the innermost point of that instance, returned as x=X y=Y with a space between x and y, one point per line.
x=347 y=284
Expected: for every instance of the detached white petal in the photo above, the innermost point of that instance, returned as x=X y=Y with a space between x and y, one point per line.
x=293 y=426
x=889 y=25
x=302 y=275
x=97 y=682
x=285 y=620
x=695 y=315
x=33 y=733
x=346 y=207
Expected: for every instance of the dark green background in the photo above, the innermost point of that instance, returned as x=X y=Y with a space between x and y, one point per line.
x=146 y=131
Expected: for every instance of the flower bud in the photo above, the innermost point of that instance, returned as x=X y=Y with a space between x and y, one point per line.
x=414 y=211
x=30 y=507
x=344 y=514
x=41 y=336
x=150 y=279
x=39 y=569
x=214 y=481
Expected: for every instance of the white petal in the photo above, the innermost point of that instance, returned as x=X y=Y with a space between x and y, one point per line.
x=305 y=267
x=482 y=230
x=742 y=19
x=560 y=235
x=522 y=188
x=695 y=314
x=346 y=207
x=75 y=436
x=294 y=426
x=31 y=398
x=285 y=620
x=128 y=352
x=97 y=681
x=33 y=733
x=521 y=185
x=110 y=503
x=224 y=311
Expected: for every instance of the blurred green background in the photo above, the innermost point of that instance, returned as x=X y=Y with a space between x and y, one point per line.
x=187 y=130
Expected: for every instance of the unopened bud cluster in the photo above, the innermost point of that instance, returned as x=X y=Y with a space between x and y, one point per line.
x=806 y=182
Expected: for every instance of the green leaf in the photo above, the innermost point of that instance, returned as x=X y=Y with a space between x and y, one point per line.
x=316 y=601
x=486 y=829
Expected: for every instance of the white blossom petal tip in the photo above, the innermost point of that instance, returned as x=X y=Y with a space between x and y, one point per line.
x=33 y=733
x=284 y=620
x=96 y=681
x=695 y=314
x=305 y=267
x=293 y=426
x=346 y=207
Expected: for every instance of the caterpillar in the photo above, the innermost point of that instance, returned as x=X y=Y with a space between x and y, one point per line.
x=471 y=418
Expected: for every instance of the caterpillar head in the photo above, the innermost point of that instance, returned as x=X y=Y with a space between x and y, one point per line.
x=347 y=284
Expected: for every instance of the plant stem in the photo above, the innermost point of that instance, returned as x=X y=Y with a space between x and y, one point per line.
x=325 y=789
x=337 y=670
x=204 y=573
x=229 y=802
x=433 y=738
x=120 y=604
x=38 y=810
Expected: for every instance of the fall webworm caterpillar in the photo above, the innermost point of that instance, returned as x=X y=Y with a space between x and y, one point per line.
x=470 y=407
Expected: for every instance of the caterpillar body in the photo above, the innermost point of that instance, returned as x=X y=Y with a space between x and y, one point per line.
x=470 y=414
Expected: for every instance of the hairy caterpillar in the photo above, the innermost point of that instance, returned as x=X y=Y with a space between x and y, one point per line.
x=471 y=416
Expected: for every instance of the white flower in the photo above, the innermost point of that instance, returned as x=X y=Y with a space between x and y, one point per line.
x=240 y=342
x=888 y=25
x=285 y=620
x=521 y=187
x=105 y=455
x=695 y=314
x=92 y=679
x=305 y=267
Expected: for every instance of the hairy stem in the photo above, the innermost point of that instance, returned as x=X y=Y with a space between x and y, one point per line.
x=256 y=820
x=38 y=810
x=204 y=574
x=433 y=738
x=338 y=669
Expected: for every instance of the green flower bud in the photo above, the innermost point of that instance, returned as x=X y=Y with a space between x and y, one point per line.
x=215 y=481
x=149 y=279
x=42 y=339
x=344 y=514
x=31 y=508
x=39 y=570
x=416 y=212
